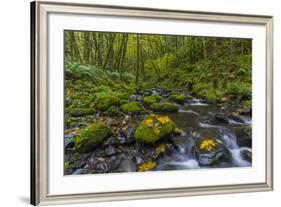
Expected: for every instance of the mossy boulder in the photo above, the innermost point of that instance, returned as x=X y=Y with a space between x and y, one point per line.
x=91 y=137
x=153 y=128
x=105 y=102
x=122 y=95
x=113 y=110
x=148 y=100
x=179 y=98
x=75 y=112
x=164 y=107
x=131 y=108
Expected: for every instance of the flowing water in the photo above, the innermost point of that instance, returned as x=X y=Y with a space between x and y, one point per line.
x=190 y=119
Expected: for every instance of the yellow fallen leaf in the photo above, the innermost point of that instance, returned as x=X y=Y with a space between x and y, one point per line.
x=146 y=166
x=207 y=144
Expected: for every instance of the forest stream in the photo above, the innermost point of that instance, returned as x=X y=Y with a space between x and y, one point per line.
x=195 y=119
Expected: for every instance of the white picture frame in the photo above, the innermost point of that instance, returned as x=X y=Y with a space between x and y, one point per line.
x=48 y=21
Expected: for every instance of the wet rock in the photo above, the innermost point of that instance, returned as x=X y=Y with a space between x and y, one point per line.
x=115 y=162
x=102 y=167
x=68 y=141
x=216 y=119
x=246 y=154
x=138 y=160
x=111 y=141
x=244 y=136
x=110 y=150
x=210 y=151
x=135 y=97
x=127 y=136
x=150 y=153
x=183 y=144
x=147 y=93
x=236 y=118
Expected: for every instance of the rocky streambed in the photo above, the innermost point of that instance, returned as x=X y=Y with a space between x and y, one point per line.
x=157 y=130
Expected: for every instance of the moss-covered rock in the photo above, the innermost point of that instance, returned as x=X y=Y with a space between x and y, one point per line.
x=122 y=95
x=113 y=110
x=148 y=100
x=105 y=102
x=131 y=107
x=247 y=130
x=91 y=137
x=153 y=128
x=179 y=98
x=164 y=107
x=75 y=112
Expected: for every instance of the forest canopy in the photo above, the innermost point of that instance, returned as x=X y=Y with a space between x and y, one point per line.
x=215 y=69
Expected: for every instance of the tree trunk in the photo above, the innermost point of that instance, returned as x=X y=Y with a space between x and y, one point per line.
x=110 y=50
x=138 y=60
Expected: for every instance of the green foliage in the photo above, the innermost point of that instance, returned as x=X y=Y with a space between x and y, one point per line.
x=67 y=165
x=246 y=106
x=212 y=68
x=239 y=90
x=91 y=137
x=153 y=128
x=103 y=103
x=74 y=70
x=131 y=107
x=164 y=107
x=148 y=100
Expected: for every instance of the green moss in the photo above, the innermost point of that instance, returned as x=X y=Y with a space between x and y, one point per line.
x=113 y=110
x=105 y=102
x=148 y=100
x=91 y=137
x=67 y=165
x=179 y=98
x=164 y=107
x=212 y=97
x=153 y=128
x=75 y=112
x=131 y=108
x=122 y=95
x=247 y=129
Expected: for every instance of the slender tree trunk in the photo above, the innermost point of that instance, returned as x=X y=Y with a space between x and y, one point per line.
x=215 y=65
x=138 y=60
x=87 y=47
x=123 y=57
x=229 y=62
x=153 y=58
x=75 y=49
x=110 y=50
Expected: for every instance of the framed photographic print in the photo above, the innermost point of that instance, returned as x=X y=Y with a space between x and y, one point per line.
x=134 y=103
